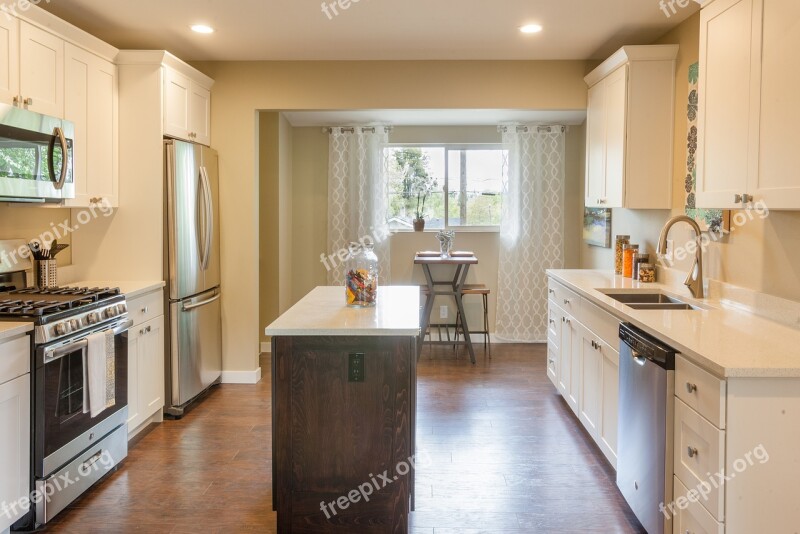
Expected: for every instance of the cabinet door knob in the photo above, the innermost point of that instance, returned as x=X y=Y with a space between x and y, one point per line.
x=566 y=301
x=691 y=388
x=737 y=199
x=566 y=321
x=747 y=198
x=145 y=309
x=28 y=101
x=691 y=451
x=551 y=291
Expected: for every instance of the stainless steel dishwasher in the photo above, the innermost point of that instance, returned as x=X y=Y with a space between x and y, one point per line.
x=644 y=446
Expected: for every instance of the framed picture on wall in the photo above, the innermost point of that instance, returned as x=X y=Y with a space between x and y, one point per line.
x=597 y=227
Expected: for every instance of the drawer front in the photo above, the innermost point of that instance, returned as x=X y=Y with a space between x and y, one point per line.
x=552 y=366
x=699 y=450
x=146 y=307
x=702 y=391
x=565 y=298
x=688 y=515
x=15 y=358
x=602 y=323
x=553 y=325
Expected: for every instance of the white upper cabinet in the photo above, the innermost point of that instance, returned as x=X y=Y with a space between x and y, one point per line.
x=91 y=104
x=31 y=67
x=9 y=59
x=629 y=131
x=187 y=107
x=41 y=74
x=749 y=72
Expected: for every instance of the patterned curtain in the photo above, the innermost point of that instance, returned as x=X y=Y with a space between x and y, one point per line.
x=531 y=230
x=357 y=197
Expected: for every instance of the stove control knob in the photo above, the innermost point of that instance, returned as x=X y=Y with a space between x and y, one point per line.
x=122 y=308
x=61 y=329
x=110 y=312
x=75 y=324
x=93 y=317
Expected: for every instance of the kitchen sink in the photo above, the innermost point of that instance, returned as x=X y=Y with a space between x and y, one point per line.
x=644 y=298
x=663 y=306
x=649 y=300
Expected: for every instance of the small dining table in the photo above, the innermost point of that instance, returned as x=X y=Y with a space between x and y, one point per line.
x=447 y=288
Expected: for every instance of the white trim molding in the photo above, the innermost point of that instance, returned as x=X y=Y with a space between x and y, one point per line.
x=242 y=377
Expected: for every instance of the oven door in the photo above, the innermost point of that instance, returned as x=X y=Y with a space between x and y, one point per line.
x=62 y=429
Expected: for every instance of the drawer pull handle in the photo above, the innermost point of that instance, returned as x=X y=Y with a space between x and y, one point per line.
x=145 y=309
x=691 y=451
x=566 y=320
x=551 y=360
x=691 y=388
x=551 y=291
x=552 y=321
x=566 y=301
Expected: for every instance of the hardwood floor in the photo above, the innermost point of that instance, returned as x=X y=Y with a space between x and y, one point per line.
x=498 y=452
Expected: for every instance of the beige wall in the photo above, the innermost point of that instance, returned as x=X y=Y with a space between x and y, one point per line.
x=285 y=210
x=762 y=255
x=29 y=222
x=243 y=88
x=268 y=215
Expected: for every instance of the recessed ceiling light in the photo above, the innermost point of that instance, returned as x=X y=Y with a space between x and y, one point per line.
x=202 y=28
x=531 y=28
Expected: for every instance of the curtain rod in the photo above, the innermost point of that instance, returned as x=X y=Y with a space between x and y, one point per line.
x=365 y=129
x=543 y=128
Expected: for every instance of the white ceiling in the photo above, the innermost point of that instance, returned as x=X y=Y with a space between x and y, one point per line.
x=374 y=29
x=433 y=117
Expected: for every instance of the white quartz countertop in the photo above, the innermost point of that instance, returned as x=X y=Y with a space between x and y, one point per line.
x=323 y=313
x=131 y=289
x=12 y=329
x=725 y=341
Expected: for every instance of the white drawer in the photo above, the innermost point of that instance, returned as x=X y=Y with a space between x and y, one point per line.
x=553 y=324
x=692 y=518
x=602 y=323
x=15 y=358
x=146 y=307
x=700 y=390
x=565 y=298
x=699 y=455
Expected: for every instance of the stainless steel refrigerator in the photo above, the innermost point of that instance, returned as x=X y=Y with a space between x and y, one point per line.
x=194 y=336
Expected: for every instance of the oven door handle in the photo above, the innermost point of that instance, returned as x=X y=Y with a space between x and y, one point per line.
x=59 y=352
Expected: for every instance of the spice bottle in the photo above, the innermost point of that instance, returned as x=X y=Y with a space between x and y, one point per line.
x=620 y=241
x=628 y=252
x=639 y=259
x=647 y=272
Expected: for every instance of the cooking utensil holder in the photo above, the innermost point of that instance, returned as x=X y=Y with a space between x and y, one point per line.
x=46 y=273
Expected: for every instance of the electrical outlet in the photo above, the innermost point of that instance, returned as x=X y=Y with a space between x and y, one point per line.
x=443 y=311
x=355 y=367
x=670 y=255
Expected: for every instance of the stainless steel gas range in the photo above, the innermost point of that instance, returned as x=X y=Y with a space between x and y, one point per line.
x=71 y=449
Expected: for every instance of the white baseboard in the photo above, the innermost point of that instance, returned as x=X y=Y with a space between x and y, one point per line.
x=266 y=347
x=242 y=377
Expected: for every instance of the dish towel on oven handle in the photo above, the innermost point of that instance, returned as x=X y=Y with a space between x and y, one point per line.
x=100 y=373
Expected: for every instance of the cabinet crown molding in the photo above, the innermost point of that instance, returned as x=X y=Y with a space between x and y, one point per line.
x=627 y=54
x=162 y=57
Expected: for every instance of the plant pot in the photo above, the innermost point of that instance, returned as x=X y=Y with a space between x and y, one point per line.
x=419 y=225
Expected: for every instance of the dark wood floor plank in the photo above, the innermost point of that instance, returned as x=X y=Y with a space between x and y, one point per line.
x=499 y=452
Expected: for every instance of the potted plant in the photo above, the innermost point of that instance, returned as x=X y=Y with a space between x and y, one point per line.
x=419 y=220
x=416 y=182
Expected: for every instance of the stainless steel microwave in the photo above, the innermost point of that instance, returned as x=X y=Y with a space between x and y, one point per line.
x=35 y=156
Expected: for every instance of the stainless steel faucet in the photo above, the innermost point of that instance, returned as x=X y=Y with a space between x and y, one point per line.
x=694 y=281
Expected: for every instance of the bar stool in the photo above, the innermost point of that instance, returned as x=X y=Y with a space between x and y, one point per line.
x=483 y=291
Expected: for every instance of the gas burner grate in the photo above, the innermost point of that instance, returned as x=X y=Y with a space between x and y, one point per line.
x=31 y=307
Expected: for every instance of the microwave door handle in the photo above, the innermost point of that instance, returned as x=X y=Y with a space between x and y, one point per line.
x=59 y=133
x=209 y=230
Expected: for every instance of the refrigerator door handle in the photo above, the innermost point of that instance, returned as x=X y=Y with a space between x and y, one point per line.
x=189 y=307
x=209 y=218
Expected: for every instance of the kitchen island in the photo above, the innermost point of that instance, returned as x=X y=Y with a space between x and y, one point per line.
x=343 y=412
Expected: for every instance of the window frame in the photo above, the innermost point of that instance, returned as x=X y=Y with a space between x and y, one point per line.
x=446 y=187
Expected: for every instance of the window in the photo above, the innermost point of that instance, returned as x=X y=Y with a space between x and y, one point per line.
x=450 y=186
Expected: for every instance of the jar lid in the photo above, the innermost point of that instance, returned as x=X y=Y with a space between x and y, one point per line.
x=630 y=246
x=646 y=265
x=619 y=237
x=643 y=256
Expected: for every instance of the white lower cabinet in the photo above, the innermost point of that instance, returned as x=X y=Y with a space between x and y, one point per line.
x=584 y=366
x=690 y=516
x=15 y=428
x=145 y=366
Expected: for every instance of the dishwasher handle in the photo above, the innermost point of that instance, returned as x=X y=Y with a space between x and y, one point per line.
x=638 y=358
